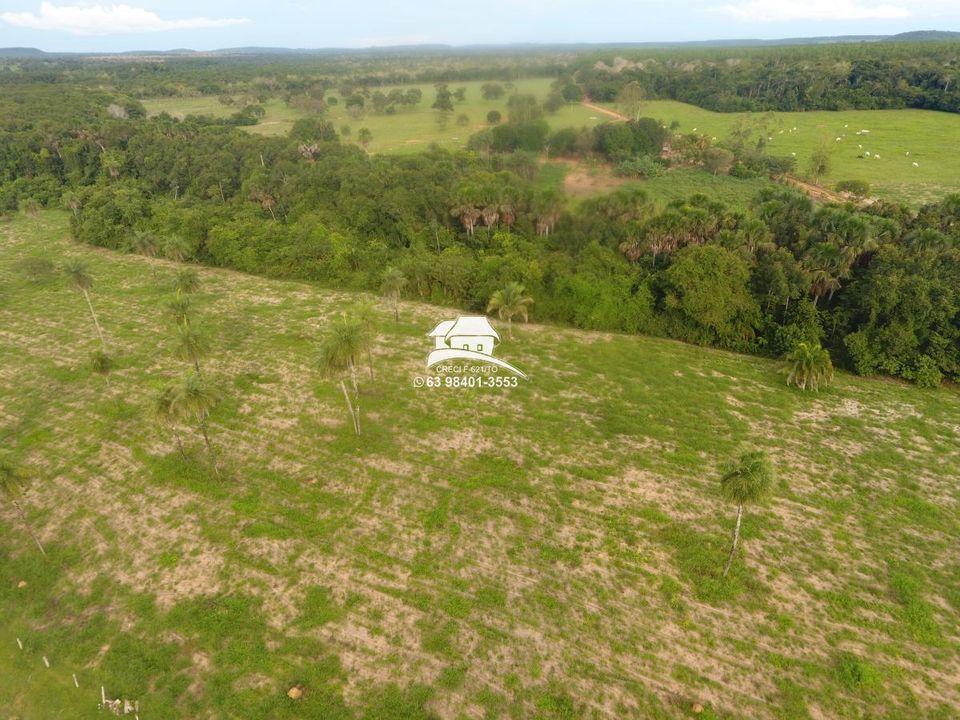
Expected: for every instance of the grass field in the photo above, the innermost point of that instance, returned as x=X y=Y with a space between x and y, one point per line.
x=405 y=132
x=930 y=138
x=548 y=551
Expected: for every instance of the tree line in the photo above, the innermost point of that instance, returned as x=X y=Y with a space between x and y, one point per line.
x=876 y=286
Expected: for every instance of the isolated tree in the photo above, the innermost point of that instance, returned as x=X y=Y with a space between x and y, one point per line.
x=82 y=280
x=394 y=281
x=337 y=361
x=630 y=100
x=746 y=482
x=364 y=136
x=493 y=117
x=193 y=399
x=192 y=344
x=808 y=367
x=444 y=99
x=12 y=480
x=164 y=413
x=508 y=302
x=819 y=162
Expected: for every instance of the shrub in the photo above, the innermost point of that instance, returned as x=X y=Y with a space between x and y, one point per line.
x=860 y=188
x=644 y=166
x=925 y=372
x=494 y=117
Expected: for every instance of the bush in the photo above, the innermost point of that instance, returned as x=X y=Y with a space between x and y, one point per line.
x=925 y=372
x=494 y=117
x=644 y=166
x=855 y=673
x=860 y=188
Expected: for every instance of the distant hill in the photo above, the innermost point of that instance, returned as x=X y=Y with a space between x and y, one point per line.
x=924 y=36
x=22 y=52
x=913 y=36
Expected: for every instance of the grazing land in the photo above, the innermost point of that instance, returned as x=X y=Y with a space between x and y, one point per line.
x=896 y=140
x=552 y=551
x=906 y=155
x=407 y=131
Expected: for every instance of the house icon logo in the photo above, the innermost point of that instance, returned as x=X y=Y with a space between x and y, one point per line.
x=469 y=337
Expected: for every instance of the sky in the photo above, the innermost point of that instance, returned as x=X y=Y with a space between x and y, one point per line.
x=85 y=26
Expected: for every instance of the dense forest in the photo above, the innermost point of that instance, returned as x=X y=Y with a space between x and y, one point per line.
x=878 y=286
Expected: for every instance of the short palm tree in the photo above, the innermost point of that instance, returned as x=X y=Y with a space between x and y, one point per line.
x=394 y=281
x=748 y=481
x=193 y=344
x=186 y=282
x=510 y=301
x=12 y=480
x=82 y=280
x=808 y=367
x=102 y=364
x=193 y=399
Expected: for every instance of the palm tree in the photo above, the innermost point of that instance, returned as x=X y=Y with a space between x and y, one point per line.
x=176 y=248
x=102 y=364
x=509 y=301
x=186 y=282
x=394 y=281
x=192 y=344
x=748 y=481
x=145 y=243
x=336 y=360
x=180 y=309
x=808 y=367
x=12 y=480
x=163 y=413
x=82 y=280
x=193 y=399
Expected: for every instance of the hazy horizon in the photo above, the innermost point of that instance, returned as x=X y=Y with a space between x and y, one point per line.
x=212 y=24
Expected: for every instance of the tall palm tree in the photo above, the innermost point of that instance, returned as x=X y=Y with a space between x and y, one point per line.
x=808 y=367
x=165 y=415
x=193 y=344
x=82 y=280
x=336 y=361
x=748 y=481
x=12 y=480
x=508 y=302
x=193 y=399
x=394 y=281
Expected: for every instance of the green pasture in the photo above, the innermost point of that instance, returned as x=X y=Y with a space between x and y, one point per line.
x=548 y=551
x=896 y=140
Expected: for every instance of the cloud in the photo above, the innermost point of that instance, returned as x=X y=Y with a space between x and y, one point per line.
x=100 y=19
x=786 y=10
